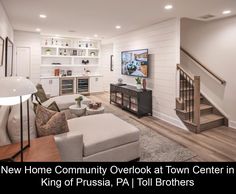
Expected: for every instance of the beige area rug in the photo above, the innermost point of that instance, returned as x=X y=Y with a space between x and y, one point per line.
x=154 y=147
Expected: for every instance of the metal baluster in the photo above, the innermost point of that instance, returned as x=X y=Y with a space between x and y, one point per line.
x=192 y=100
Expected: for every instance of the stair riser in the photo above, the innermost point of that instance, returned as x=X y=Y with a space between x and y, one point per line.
x=211 y=125
x=183 y=116
x=186 y=116
x=206 y=111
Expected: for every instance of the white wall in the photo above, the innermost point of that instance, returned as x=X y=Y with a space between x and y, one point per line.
x=214 y=44
x=6 y=30
x=163 y=42
x=33 y=41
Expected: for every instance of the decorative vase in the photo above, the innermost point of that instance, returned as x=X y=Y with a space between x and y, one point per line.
x=144 y=84
x=79 y=103
x=139 y=86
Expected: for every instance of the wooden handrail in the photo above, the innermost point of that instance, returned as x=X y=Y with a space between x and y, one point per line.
x=179 y=67
x=203 y=66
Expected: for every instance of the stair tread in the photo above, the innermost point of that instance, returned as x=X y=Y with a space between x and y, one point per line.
x=190 y=97
x=202 y=107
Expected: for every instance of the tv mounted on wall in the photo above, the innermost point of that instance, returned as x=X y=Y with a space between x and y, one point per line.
x=135 y=63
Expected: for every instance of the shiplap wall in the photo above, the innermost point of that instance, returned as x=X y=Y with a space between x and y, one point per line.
x=33 y=41
x=5 y=31
x=163 y=42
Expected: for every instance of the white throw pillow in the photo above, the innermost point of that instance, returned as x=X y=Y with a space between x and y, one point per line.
x=4 y=113
x=14 y=123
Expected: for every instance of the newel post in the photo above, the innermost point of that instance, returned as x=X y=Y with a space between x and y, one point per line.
x=197 y=96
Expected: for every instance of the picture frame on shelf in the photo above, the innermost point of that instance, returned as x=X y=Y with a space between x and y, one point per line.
x=1 y=50
x=9 y=57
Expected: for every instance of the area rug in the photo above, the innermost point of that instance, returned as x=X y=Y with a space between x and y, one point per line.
x=154 y=147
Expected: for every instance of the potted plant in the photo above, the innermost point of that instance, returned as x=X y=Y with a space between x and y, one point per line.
x=48 y=51
x=138 y=82
x=79 y=100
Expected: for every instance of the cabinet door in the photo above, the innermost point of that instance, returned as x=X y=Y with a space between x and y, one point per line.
x=50 y=86
x=96 y=84
x=46 y=83
x=55 y=87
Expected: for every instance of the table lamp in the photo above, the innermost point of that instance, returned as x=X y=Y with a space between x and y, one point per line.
x=16 y=90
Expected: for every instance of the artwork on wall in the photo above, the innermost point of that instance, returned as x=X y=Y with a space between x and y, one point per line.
x=9 y=58
x=1 y=50
x=111 y=63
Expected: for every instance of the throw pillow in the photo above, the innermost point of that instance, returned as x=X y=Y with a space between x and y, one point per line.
x=50 y=122
x=4 y=113
x=53 y=106
x=13 y=126
x=41 y=93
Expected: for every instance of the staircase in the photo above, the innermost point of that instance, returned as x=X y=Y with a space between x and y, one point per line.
x=196 y=112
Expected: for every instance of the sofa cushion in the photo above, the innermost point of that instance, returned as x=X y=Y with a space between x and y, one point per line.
x=65 y=101
x=4 y=113
x=50 y=122
x=13 y=125
x=41 y=93
x=103 y=131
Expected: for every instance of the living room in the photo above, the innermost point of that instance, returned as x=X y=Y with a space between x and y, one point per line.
x=99 y=69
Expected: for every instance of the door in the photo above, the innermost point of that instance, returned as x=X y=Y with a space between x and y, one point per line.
x=23 y=61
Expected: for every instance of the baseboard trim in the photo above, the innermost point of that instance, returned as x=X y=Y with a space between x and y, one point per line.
x=174 y=121
x=232 y=124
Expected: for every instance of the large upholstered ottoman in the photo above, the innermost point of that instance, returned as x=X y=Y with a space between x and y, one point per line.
x=102 y=137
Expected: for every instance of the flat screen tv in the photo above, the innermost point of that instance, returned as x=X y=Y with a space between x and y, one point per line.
x=135 y=63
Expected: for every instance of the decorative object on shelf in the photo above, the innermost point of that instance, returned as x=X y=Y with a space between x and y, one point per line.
x=138 y=82
x=65 y=52
x=69 y=72
x=92 y=54
x=16 y=90
x=52 y=41
x=56 y=63
x=79 y=100
x=86 y=45
x=1 y=50
x=120 y=81
x=46 y=42
x=74 y=52
x=56 y=43
x=67 y=44
x=144 y=84
x=56 y=72
x=48 y=51
x=9 y=57
x=85 y=62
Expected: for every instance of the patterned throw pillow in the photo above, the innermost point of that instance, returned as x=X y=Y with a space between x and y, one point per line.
x=41 y=93
x=53 y=106
x=50 y=122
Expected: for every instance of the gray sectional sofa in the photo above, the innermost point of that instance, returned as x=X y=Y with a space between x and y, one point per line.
x=102 y=137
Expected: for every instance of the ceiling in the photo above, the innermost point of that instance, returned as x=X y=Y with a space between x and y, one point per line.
x=89 y=17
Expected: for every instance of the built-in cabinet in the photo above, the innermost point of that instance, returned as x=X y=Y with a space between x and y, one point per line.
x=51 y=86
x=72 y=85
x=96 y=84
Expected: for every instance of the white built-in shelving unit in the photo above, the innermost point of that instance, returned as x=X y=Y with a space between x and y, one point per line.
x=60 y=52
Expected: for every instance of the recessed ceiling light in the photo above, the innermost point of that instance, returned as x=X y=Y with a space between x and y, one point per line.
x=118 y=27
x=37 y=29
x=168 y=7
x=42 y=16
x=95 y=35
x=226 y=12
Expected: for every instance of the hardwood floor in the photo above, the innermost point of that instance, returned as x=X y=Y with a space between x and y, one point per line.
x=218 y=144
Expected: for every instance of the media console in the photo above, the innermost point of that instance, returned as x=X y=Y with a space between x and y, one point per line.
x=132 y=99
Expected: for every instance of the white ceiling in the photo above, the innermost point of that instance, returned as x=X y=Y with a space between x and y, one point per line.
x=89 y=17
